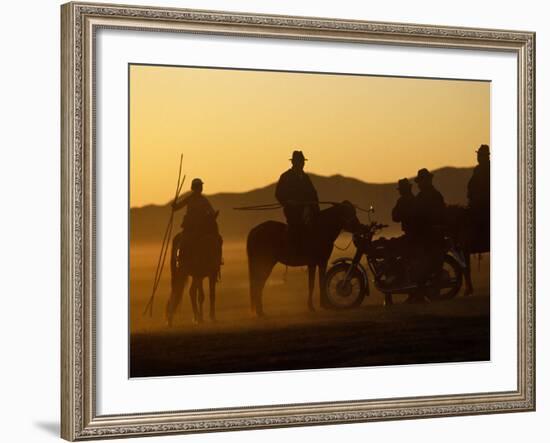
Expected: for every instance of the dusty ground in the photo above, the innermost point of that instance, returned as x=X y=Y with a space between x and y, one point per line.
x=292 y=337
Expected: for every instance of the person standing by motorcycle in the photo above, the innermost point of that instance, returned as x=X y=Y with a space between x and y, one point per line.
x=296 y=193
x=403 y=212
x=427 y=229
x=404 y=209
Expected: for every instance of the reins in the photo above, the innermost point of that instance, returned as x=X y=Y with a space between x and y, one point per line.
x=270 y=206
x=343 y=249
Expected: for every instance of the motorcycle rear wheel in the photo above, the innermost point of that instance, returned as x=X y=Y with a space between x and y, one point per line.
x=451 y=274
x=341 y=295
x=451 y=282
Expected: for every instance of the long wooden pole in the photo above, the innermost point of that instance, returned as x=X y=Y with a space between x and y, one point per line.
x=165 y=244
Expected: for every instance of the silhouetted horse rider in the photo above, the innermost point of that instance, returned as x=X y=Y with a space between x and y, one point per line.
x=427 y=227
x=196 y=253
x=199 y=209
x=198 y=222
x=479 y=201
x=296 y=193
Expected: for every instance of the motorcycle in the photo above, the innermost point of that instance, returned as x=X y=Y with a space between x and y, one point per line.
x=347 y=281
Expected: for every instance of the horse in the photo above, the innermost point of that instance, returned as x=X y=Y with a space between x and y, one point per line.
x=267 y=244
x=197 y=260
x=460 y=228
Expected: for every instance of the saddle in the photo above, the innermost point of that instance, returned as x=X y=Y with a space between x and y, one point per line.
x=297 y=243
x=199 y=253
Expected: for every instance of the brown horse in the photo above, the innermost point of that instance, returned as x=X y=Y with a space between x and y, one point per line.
x=461 y=228
x=267 y=245
x=198 y=259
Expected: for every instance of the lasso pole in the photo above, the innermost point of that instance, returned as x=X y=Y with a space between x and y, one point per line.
x=165 y=244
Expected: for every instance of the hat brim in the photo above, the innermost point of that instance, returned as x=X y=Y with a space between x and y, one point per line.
x=304 y=159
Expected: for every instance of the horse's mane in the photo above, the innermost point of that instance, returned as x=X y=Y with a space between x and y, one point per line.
x=337 y=208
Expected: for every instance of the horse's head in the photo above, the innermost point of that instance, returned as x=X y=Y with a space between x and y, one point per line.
x=348 y=213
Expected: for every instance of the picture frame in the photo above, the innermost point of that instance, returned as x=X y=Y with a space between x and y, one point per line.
x=80 y=24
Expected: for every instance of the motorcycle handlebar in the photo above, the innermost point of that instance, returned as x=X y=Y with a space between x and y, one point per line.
x=374 y=226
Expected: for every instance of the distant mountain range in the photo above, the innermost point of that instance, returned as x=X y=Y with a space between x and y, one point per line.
x=148 y=223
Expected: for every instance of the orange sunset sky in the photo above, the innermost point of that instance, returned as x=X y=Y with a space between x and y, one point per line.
x=237 y=129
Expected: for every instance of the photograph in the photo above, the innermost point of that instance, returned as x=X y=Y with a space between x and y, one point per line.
x=277 y=219
x=293 y=220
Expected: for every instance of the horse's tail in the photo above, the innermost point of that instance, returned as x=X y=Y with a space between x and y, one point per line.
x=263 y=249
x=260 y=265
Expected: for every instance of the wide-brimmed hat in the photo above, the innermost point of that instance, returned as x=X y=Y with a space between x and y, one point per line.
x=423 y=174
x=483 y=149
x=298 y=155
x=404 y=183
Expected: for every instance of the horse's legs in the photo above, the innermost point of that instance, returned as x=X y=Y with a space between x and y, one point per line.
x=311 y=286
x=322 y=289
x=259 y=273
x=201 y=298
x=469 y=289
x=193 y=292
x=212 y=293
x=174 y=258
x=177 y=281
x=176 y=294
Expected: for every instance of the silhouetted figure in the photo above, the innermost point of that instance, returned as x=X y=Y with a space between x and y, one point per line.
x=196 y=252
x=427 y=229
x=296 y=193
x=479 y=201
x=458 y=230
x=404 y=210
x=198 y=207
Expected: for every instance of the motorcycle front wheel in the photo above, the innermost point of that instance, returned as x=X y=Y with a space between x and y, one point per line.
x=342 y=294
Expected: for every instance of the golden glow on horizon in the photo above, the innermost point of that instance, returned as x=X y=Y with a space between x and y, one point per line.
x=237 y=129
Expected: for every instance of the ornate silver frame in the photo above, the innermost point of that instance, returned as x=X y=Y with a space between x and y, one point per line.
x=79 y=420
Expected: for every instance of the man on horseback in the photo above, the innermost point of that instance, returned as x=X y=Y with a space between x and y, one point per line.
x=199 y=220
x=479 y=201
x=197 y=249
x=199 y=209
x=296 y=193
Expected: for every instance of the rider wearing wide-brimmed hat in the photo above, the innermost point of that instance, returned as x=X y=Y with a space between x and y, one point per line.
x=479 y=184
x=479 y=200
x=296 y=193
